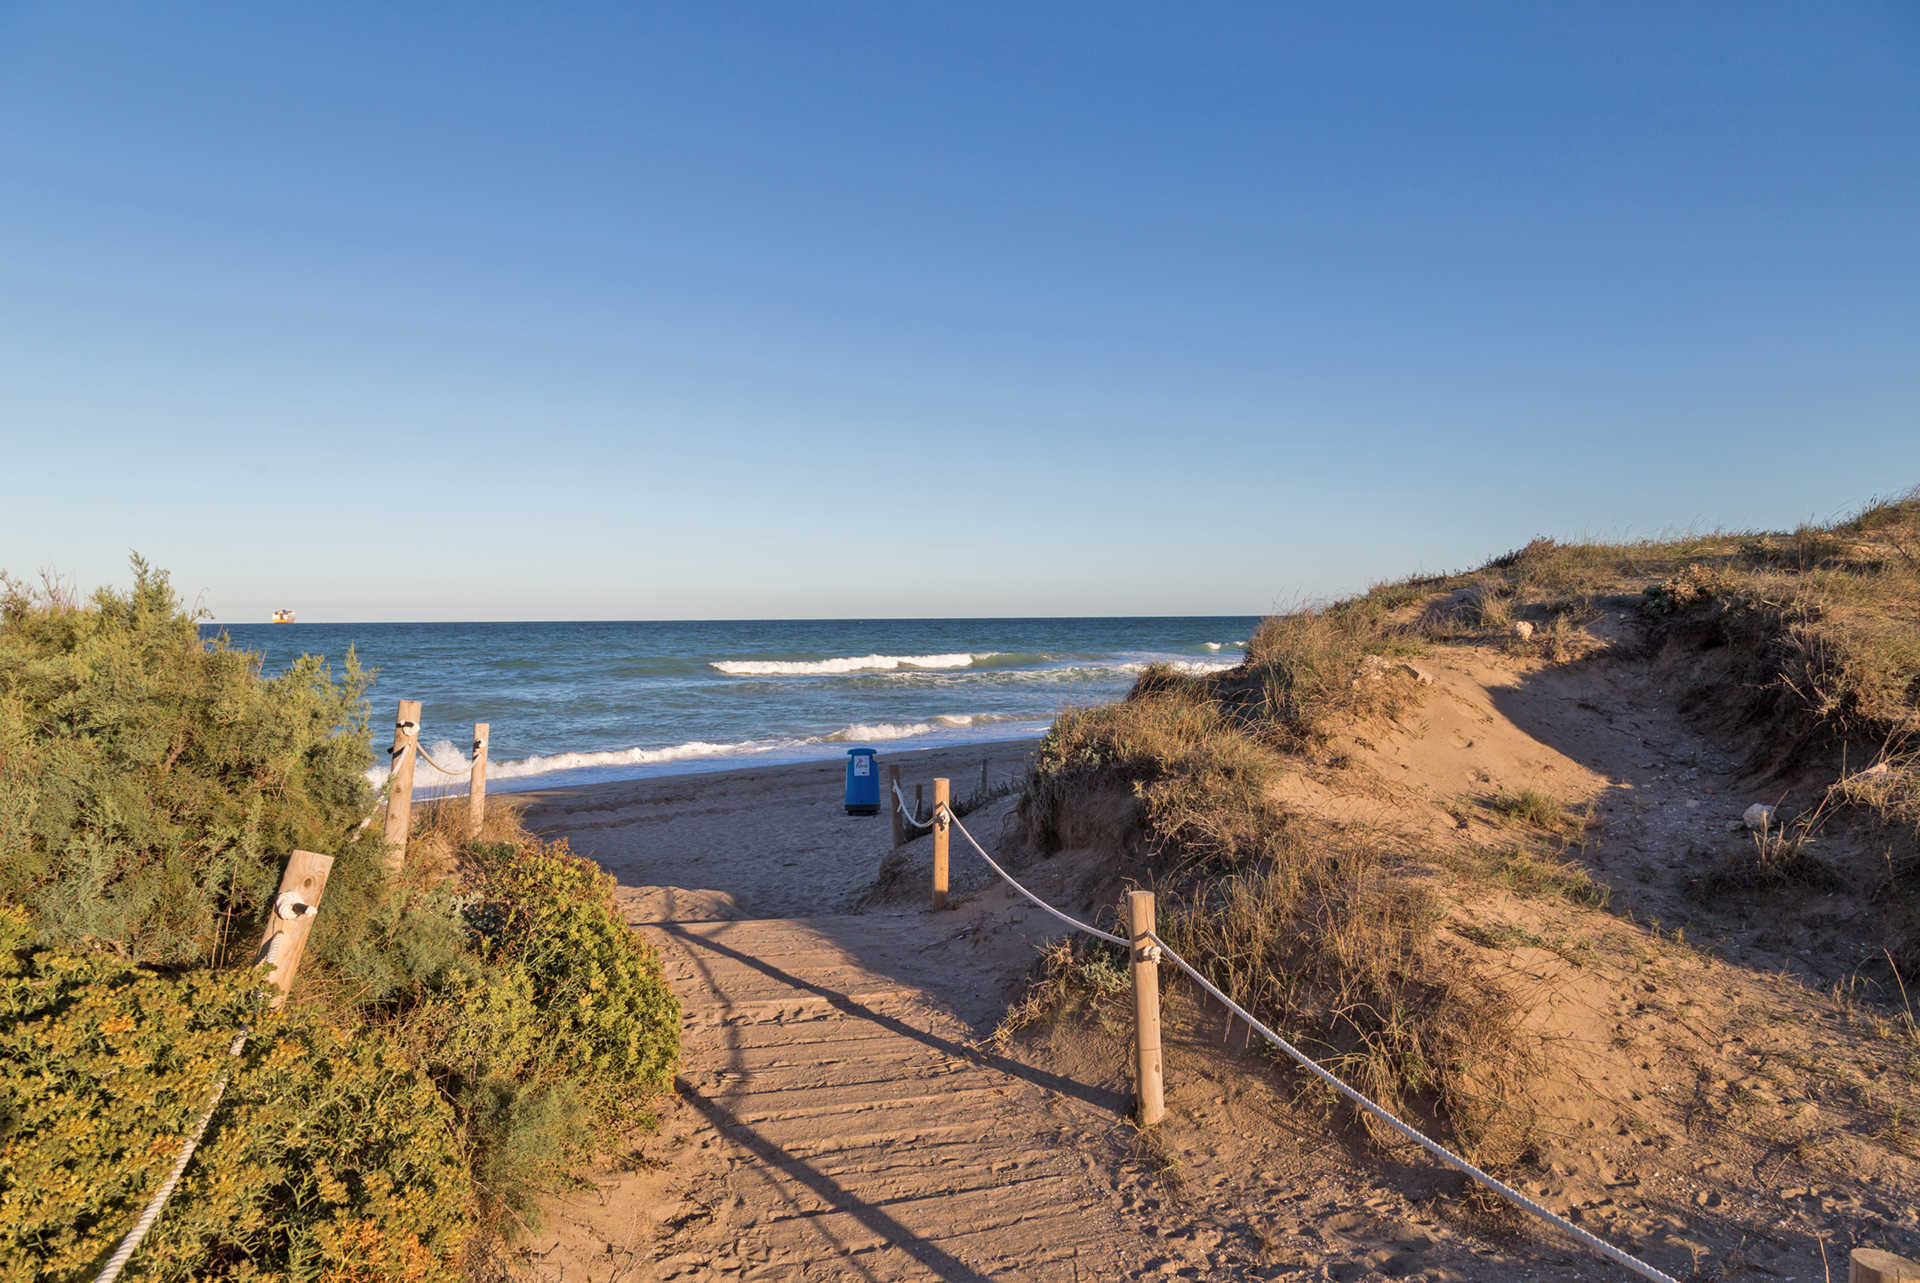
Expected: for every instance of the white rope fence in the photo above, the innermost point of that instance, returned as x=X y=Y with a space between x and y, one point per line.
x=916 y=821
x=158 y=1203
x=1590 y=1241
x=1433 y=1147
x=1006 y=877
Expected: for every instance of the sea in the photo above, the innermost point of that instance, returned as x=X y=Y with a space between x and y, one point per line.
x=580 y=703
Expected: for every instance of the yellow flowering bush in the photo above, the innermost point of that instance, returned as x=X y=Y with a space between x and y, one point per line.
x=331 y=1151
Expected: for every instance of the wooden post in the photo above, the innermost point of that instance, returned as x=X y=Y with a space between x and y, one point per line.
x=919 y=799
x=291 y=919
x=983 y=779
x=1870 y=1265
x=477 y=782
x=941 y=800
x=406 y=728
x=1148 y=1087
x=893 y=807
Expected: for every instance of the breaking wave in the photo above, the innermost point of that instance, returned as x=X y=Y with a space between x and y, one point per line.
x=843 y=664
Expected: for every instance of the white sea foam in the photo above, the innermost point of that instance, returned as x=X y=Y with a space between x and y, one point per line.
x=539 y=764
x=1075 y=676
x=844 y=664
x=430 y=782
x=1195 y=666
x=861 y=732
x=1211 y=645
x=865 y=732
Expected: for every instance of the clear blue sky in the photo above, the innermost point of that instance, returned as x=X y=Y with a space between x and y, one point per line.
x=396 y=312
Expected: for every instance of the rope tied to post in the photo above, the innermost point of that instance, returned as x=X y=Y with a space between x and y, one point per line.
x=412 y=741
x=1156 y=950
x=901 y=801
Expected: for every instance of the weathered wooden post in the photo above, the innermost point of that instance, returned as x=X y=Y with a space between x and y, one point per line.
x=919 y=800
x=1148 y=1086
x=406 y=730
x=942 y=797
x=477 y=782
x=1870 y=1265
x=893 y=807
x=288 y=925
x=983 y=780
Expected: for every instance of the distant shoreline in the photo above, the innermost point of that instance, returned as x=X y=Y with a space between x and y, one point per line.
x=429 y=784
x=916 y=765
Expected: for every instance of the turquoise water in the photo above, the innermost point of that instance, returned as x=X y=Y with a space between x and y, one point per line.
x=572 y=703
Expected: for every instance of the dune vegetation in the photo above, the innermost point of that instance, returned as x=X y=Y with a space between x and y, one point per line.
x=461 y=1035
x=1800 y=650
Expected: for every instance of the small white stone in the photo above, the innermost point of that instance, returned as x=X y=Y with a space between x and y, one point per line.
x=1523 y=630
x=1758 y=816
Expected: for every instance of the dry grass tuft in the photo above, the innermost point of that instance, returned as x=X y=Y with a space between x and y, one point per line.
x=1342 y=949
x=1889 y=791
x=1074 y=972
x=1305 y=670
x=1531 y=870
x=1779 y=860
x=1541 y=810
x=1195 y=785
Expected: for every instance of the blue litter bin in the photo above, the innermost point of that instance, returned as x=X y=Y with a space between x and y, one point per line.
x=863 y=783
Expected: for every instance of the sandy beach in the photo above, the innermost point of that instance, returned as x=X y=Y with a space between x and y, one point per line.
x=769 y=842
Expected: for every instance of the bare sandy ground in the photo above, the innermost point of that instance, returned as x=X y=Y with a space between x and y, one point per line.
x=777 y=839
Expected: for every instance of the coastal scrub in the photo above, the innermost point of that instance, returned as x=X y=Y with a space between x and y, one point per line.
x=461 y=1037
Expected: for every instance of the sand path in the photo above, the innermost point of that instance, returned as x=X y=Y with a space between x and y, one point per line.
x=861 y=1138
x=833 y=1118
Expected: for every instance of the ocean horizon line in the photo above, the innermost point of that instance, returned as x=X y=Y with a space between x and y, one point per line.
x=749 y=619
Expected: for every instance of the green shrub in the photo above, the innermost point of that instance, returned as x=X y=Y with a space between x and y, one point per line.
x=151 y=784
x=452 y=1050
x=606 y=1016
